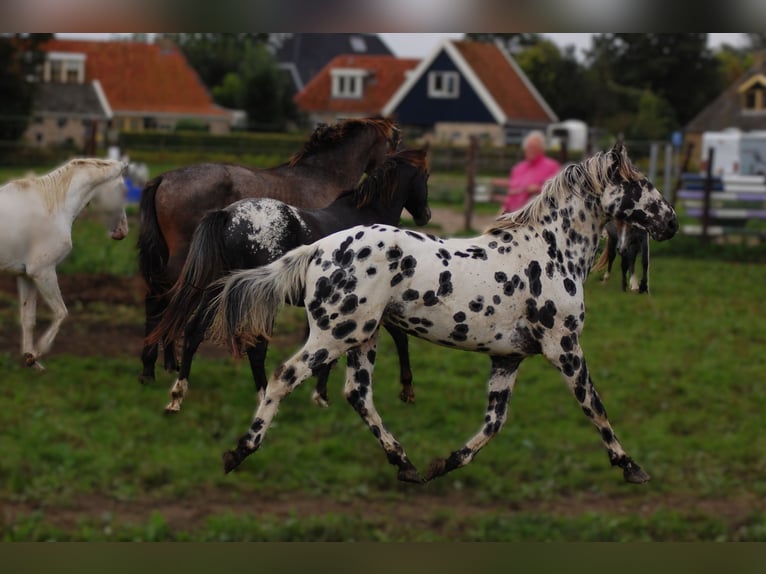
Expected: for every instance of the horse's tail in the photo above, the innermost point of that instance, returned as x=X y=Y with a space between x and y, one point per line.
x=250 y=300
x=153 y=251
x=205 y=262
x=602 y=261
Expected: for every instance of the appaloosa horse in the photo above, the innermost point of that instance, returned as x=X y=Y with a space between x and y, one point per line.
x=515 y=291
x=36 y=216
x=255 y=231
x=172 y=204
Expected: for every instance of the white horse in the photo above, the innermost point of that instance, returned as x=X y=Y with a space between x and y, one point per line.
x=36 y=216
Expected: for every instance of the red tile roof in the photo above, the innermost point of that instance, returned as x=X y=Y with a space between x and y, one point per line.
x=389 y=73
x=502 y=81
x=140 y=77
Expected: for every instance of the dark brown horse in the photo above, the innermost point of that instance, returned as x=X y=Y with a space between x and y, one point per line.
x=172 y=204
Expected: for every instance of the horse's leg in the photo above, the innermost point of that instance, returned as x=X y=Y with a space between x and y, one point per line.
x=401 y=341
x=358 y=392
x=27 y=318
x=149 y=352
x=256 y=356
x=632 y=256
x=47 y=286
x=571 y=364
x=643 y=287
x=194 y=334
x=501 y=382
x=287 y=377
x=319 y=396
x=624 y=267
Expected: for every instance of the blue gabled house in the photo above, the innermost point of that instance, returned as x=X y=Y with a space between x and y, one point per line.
x=470 y=88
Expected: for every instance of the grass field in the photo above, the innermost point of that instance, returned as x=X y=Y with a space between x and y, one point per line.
x=88 y=454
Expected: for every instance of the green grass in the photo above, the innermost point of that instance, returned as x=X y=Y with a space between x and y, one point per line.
x=680 y=373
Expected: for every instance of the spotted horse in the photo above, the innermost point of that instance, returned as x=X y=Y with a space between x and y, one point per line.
x=630 y=242
x=512 y=292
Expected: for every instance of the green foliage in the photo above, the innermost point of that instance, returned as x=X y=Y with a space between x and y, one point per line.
x=19 y=55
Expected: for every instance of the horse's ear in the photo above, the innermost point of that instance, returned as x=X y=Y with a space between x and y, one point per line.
x=619 y=147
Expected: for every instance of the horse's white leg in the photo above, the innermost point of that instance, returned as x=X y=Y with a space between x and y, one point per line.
x=27 y=318
x=566 y=355
x=501 y=382
x=358 y=392
x=283 y=381
x=48 y=286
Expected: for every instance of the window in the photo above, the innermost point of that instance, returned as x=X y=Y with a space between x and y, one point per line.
x=358 y=44
x=347 y=83
x=753 y=94
x=443 y=85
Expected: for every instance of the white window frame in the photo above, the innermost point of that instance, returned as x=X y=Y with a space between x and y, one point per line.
x=348 y=83
x=443 y=84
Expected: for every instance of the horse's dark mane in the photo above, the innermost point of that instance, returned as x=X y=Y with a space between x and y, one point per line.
x=328 y=136
x=586 y=178
x=383 y=179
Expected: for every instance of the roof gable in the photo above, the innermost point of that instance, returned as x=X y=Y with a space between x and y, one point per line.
x=726 y=110
x=381 y=77
x=80 y=100
x=139 y=77
x=495 y=77
x=304 y=55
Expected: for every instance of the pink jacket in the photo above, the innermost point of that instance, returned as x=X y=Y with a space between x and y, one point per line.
x=524 y=174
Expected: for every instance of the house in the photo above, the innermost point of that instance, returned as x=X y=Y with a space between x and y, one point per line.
x=139 y=87
x=353 y=86
x=470 y=88
x=741 y=106
x=68 y=114
x=302 y=56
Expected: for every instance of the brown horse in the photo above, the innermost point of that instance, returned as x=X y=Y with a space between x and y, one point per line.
x=172 y=204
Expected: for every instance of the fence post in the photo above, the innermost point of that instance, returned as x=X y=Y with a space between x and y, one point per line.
x=668 y=171
x=473 y=144
x=708 y=189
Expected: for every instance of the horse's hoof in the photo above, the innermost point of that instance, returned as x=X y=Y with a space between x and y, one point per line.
x=29 y=359
x=145 y=379
x=409 y=474
x=319 y=400
x=230 y=461
x=407 y=396
x=172 y=408
x=436 y=468
x=635 y=475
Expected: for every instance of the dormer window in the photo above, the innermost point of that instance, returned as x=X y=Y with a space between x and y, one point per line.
x=443 y=84
x=64 y=68
x=348 y=83
x=753 y=94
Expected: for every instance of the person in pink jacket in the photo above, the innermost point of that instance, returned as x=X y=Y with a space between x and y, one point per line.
x=528 y=176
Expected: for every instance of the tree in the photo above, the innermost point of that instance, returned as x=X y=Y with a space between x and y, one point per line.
x=240 y=73
x=679 y=68
x=215 y=55
x=19 y=58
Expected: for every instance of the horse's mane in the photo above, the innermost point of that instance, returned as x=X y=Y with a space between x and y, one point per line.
x=382 y=182
x=53 y=186
x=586 y=178
x=328 y=136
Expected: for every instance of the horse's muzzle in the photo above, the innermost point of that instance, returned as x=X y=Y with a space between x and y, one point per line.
x=121 y=229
